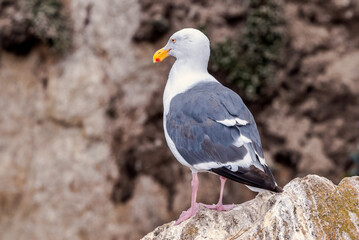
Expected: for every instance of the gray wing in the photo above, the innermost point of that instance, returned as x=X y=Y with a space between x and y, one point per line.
x=237 y=109
x=196 y=124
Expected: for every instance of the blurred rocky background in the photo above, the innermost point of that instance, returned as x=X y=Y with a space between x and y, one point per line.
x=82 y=151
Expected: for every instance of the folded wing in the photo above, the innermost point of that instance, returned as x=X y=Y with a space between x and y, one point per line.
x=214 y=131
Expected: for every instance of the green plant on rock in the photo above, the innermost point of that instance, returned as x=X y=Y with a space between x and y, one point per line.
x=50 y=23
x=251 y=60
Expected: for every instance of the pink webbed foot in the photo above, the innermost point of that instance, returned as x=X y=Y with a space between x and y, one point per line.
x=188 y=214
x=219 y=207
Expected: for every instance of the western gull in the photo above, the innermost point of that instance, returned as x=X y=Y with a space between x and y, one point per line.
x=207 y=126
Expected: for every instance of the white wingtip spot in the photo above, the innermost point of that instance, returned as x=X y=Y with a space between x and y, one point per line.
x=232 y=122
x=227 y=122
x=245 y=139
x=241 y=122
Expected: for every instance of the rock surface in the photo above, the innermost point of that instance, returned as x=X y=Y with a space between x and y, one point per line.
x=56 y=168
x=309 y=208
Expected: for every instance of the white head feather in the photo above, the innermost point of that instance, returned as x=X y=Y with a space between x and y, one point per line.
x=191 y=48
x=189 y=45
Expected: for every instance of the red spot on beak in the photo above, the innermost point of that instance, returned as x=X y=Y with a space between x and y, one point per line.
x=158 y=60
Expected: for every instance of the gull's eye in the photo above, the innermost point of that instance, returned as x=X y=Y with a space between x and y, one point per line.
x=173 y=40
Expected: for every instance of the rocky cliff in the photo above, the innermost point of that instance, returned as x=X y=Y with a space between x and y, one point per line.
x=56 y=166
x=309 y=208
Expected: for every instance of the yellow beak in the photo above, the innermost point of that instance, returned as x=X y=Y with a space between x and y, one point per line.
x=160 y=55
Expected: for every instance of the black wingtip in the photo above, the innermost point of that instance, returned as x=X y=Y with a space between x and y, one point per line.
x=251 y=176
x=278 y=189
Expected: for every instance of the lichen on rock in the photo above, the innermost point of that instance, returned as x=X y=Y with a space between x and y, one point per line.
x=50 y=23
x=309 y=208
x=26 y=23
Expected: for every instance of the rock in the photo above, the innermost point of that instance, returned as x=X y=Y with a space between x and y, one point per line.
x=56 y=167
x=306 y=37
x=235 y=13
x=333 y=10
x=309 y=208
x=313 y=158
x=343 y=73
x=15 y=27
x=149 y=201
x=23 y=24
x=154 y=20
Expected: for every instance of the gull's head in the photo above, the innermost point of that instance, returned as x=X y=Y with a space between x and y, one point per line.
x=188 y=44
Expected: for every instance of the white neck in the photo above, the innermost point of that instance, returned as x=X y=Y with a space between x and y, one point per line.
x=183 y=75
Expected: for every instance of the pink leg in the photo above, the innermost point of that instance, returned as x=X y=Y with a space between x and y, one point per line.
x=194 y=205
x=220 y=206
